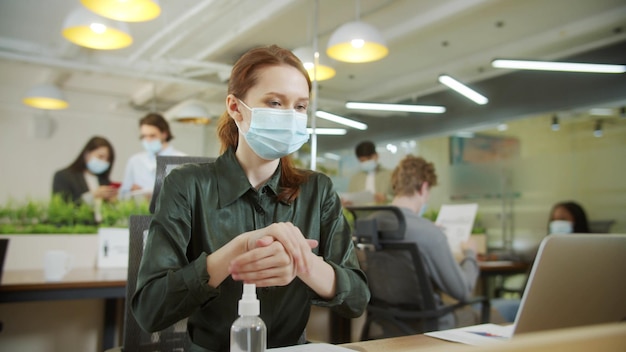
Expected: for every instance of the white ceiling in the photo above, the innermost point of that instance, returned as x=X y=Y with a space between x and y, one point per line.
x=187 y=53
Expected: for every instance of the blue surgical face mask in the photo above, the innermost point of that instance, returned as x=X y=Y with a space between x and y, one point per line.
x=275 y=133
x=561 y=227
x=368 y=165
x=152 y=146
x=97 y=166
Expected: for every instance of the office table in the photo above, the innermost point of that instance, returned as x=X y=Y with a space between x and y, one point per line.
x=79 y=283
x=398 y=344
x=492 y=268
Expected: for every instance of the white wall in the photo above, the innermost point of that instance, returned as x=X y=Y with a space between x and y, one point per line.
x=35 y=144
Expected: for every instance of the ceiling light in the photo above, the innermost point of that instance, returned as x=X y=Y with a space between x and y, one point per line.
x=125 y=10
x=463 y=90
x=428 y=109
x=555 y=123
x=328 y=131
x=558 y=66
x=601 y=112
x=357 y=42
x=307 y=56
x=45 y=96
x=502 y=127
x=341 y=120
x=597 y=131
x=189 y=111
x=87 y=29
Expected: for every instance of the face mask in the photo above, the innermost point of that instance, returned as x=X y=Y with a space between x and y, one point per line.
x=368 y=165
x=97 y=166
x=154 y=146
x=561 y=226
x=275 y=133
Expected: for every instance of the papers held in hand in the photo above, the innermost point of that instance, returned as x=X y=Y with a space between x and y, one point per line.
x=456 y=221
x=357 y=198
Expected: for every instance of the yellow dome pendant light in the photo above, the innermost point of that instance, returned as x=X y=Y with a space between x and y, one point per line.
x=45 y=96
x=307 y=56
x=357 y=42
x=85 y=28
x=125 y=10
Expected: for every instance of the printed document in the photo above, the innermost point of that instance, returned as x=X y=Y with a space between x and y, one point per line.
x=456 y=221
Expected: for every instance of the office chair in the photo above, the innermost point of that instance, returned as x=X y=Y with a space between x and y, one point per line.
x=402 y=295
x=165 y=164
x=171 y=339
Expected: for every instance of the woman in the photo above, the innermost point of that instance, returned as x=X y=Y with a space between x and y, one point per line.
x=87 y=178
x=411 y=181
x=568 y=217
x=251 y=217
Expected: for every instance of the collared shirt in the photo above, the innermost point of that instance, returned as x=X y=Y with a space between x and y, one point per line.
x=141 y=170
x=200 y=208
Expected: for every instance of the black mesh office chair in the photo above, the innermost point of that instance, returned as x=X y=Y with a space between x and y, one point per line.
x=402 y=295
x=171 y=339
x=165 y=164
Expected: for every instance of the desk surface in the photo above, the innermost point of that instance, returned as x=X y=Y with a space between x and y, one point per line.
x=502 y=266
x=19 y=280
x=398 y=344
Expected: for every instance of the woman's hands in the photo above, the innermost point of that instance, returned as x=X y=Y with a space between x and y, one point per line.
x=273 y=256
x=105 y=192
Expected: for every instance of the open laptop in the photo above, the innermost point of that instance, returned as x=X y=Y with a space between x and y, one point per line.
x=576 y=280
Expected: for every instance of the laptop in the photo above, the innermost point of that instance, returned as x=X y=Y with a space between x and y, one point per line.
x=576 y=280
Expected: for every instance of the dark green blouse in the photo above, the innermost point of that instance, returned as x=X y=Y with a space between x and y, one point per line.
x=200 y=208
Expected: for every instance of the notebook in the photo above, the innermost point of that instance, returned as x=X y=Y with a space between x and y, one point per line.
x=576 y=280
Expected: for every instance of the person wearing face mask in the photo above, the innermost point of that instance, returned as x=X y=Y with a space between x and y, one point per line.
x=372 y=176
x=250 y=217
x=140 y=173
x=87 y=179
x=412 y=181
x=568 y=217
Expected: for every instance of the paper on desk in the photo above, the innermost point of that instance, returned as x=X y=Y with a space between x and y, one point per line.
x=457 y=221
x=476 y=335
x=358 y=198
x=312 y=347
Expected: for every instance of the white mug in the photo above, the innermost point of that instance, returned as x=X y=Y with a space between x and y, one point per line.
x=56 y=264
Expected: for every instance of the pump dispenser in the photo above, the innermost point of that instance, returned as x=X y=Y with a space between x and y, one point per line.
x=248 y=332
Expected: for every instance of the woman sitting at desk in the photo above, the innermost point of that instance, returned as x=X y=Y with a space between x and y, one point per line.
x=411 y=182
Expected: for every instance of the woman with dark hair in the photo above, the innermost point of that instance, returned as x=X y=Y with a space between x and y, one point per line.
x=568 y=217
x=87 y=178
x=250 y=217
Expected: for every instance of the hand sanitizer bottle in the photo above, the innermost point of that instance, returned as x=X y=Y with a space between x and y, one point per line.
x=248 y=332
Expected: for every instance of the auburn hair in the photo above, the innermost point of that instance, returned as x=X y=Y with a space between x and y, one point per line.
x=412 y=171
x=244 y=76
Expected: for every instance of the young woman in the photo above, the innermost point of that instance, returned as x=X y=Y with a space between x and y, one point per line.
x=252 y=217
x=87 y=178
x=568 y=217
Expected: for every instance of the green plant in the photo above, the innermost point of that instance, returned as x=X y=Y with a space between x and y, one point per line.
x=60 y=216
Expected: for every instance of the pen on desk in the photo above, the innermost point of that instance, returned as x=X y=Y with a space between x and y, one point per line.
x=486 y=334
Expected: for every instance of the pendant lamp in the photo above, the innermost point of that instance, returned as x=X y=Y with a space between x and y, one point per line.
x=45 y=96
x=125 y=10
x=87 y=29
x=307 y=56
x=189 y=111
x=357 y=42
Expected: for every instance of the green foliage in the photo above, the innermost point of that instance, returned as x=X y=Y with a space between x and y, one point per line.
x=59 y=216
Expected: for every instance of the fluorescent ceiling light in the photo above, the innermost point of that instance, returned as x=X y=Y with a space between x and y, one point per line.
x=332 y=156
x=428 y=109
x=601 y=111
x=341 y=120
x=558 y=66
x=328 y=131
x=463 y=90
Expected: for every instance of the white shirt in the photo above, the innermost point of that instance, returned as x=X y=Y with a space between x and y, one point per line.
x=141 y=170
